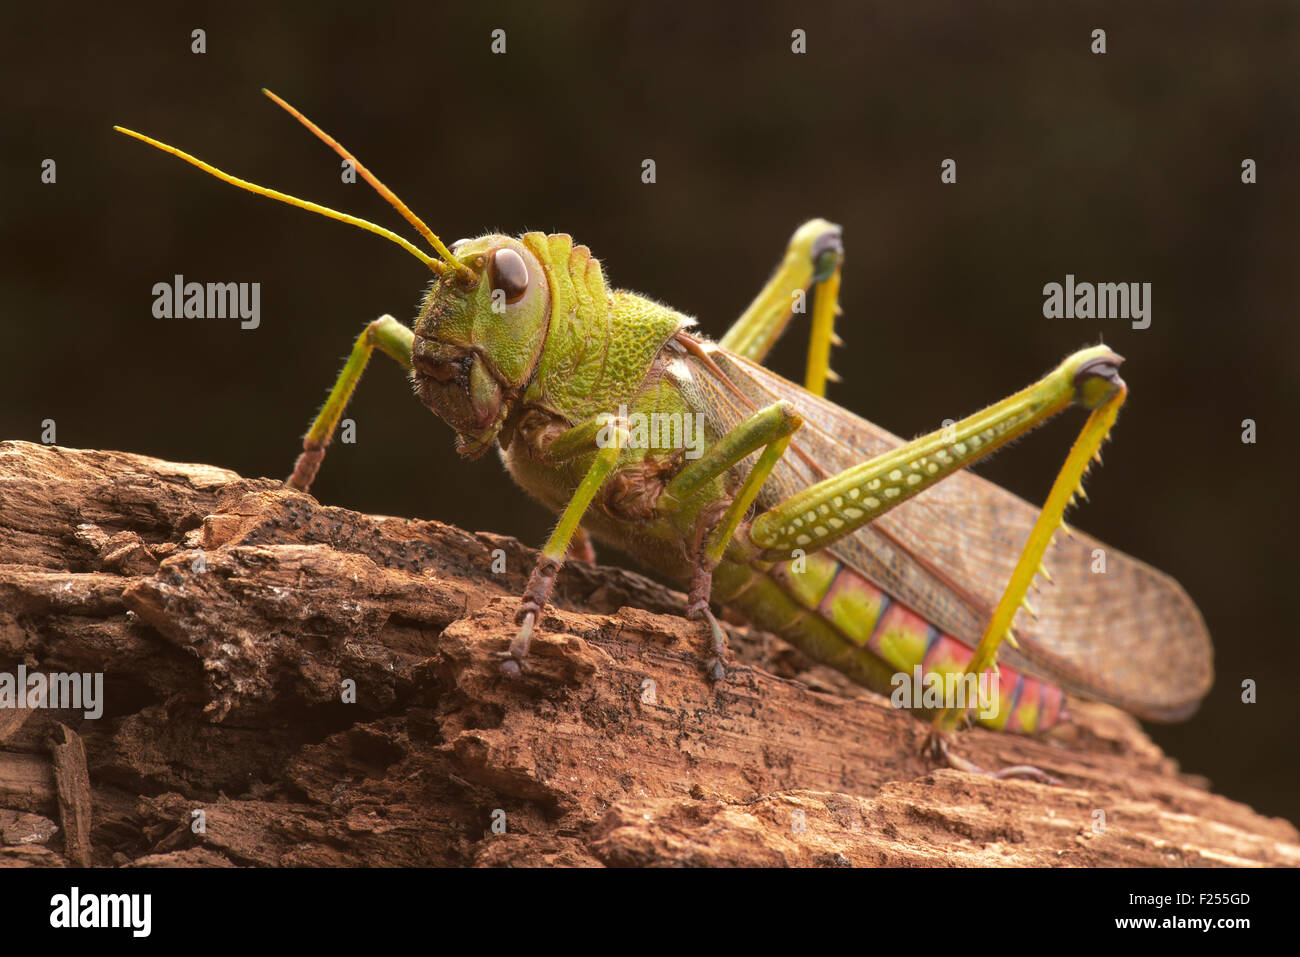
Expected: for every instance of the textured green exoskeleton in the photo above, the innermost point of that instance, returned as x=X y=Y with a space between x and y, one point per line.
x=877 y=556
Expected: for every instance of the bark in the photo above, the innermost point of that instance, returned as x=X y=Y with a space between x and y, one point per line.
x=232 y=619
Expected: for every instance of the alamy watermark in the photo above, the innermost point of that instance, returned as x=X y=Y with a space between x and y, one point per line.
x=656 y=430
x=1102 y=300
x=82 y=691
x=74 y=910
x=179 y=299
x=934 y=690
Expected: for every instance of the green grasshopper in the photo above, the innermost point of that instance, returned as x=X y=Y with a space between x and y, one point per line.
x=874 y=555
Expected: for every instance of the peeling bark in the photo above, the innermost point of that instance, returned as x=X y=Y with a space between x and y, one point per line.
x=231 y=618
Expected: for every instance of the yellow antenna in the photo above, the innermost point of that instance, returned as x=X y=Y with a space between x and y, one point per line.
x=379 y=187
x=225 y=177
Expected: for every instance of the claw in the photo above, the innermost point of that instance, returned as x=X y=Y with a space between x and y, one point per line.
x=512 y=665
x=715 y=669
x=937 y=747
x=716 y=665
x=1028 y=772
x=697 y=609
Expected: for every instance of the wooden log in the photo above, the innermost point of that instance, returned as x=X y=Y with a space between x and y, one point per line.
x=288 y=683
x=72 y=784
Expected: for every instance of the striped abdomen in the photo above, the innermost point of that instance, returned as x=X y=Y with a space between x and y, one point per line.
x=835 y=615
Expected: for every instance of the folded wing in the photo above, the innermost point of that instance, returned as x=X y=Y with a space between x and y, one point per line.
x=1129 y=635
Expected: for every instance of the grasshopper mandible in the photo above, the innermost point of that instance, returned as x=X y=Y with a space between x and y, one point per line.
x=872 y=554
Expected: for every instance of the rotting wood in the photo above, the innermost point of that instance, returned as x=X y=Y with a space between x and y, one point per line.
x=232 y=620
x=72 y=784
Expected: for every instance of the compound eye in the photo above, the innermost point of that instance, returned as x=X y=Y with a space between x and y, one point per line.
x=509 y=274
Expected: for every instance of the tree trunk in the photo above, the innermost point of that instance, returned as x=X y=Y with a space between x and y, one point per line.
x=286 y=683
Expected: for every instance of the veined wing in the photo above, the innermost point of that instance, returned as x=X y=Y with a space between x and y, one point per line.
x=1129 y=635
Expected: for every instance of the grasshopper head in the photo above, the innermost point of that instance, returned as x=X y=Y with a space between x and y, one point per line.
x=479 y=337
x=480 y=331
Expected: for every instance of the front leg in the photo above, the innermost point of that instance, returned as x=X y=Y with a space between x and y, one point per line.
x=388 y=336
x=611 y=437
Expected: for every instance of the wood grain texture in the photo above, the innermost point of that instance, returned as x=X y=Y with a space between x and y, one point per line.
x=224 y=684
x=72 y=784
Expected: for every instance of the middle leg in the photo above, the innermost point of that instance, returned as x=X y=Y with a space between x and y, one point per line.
x=769 y=429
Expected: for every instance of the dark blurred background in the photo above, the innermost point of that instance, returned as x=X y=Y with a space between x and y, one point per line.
x=1119 y=167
